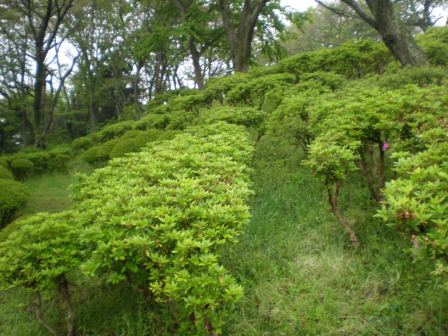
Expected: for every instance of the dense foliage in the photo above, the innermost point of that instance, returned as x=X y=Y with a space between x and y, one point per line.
x=154 y=219
x=12 y=198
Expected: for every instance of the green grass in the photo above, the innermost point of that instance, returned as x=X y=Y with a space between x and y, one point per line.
x=48 y=193
x=300 y=274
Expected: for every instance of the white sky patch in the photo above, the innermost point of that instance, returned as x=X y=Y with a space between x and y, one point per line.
x=300 y=5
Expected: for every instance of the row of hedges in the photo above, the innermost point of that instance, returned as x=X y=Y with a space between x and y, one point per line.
x=31 y=161
x=374 y=126
x=261 y=88
x=131 y=141
x=154 y=219
x=13 y=195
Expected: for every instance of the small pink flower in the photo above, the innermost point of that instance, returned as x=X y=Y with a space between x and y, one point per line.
x=385 y=146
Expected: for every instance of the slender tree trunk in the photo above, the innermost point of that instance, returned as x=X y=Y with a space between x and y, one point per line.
x=240 y=35
x=36 y=306
x=196 y=58
x=92 y=112
x=66 y=299
x=136 y=93
x=39 y=90
x=366 y=172
x=333 y=199
x=380 y=172
x=24 y=127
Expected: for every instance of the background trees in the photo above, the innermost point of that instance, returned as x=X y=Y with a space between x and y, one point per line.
x=72 y=65
x=393 y=20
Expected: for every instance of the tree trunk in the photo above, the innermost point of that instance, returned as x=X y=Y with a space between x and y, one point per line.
x=196 y=58
x=394 y=34
x=240 y=36
x=333 y=199
x=64 y=292
x=92 y=114
x=36 y=306
x=136 y=93
x=39 y=90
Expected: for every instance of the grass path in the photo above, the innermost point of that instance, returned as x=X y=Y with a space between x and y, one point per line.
x=48 y=193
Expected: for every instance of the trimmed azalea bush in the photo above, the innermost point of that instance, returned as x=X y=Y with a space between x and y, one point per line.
x=21 y=167
x=158 y=217
x=353 y=59
x=253 y=92
x=82 y=142
x=114 y=130
x=38 y=255
x=435 y=45
x=154 y=219
x=6 y=174
x=12 y=198
x=416 y=202
x=421 y=76
x=133 y=141
x=99 y=154
x=239 y=115
x=33 y=161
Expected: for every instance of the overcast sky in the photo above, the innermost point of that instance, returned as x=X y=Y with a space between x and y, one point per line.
x=300 y=5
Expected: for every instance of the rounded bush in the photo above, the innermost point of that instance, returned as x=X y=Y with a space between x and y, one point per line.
x=124 y=146
x=114 y=130
x=4 y=162
x=39 y=159
x=132 y=141
x=21 y=167
x=13 y=197
x=5 y=174
x=100 y=153
x=58 y=158
x=82 y=143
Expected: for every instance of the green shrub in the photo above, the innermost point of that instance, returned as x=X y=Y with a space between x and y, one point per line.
x=217 y=88
x=12 y=198
x=132 y=141
x=435 y=45
x=191 y=102
x=254 y=92
x=417 y=202
x=158 y=217
x=114 y=130
x=291 y=118
x=353 y=59
x=21 y=167
x=82 y=142
x=329 y=79
x=5 y=174
x=40 y=160
x=4 y=162
x=58 y=158
x=99 y=154
x=245 y=116
x=159 y=121
x=421 y=76
x=37 y=255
